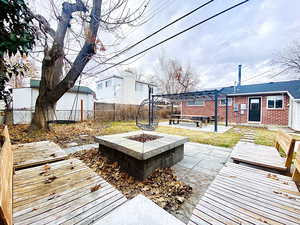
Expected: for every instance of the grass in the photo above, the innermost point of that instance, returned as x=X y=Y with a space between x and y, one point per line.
x=63 y=134
x=227 y=139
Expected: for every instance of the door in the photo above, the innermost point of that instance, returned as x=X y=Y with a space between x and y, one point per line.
x=254 y=109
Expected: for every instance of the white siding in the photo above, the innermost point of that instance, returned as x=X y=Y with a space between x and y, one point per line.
x=24 y=103
x=122 y=91
x=109 y=94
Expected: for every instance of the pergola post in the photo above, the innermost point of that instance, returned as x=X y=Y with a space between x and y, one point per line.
x=226 y=115
x=216 y=111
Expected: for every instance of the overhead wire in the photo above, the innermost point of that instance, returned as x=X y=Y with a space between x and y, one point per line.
x=173 y=36
x=154 y=33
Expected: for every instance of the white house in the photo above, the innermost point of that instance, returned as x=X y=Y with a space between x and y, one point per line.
x=122 y=90
x=24 y=103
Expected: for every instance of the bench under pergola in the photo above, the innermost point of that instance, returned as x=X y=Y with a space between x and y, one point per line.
x=214 y=95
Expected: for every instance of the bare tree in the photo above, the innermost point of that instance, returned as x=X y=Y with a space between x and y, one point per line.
x=290 y=59
x=171 y=77
x=81 y=21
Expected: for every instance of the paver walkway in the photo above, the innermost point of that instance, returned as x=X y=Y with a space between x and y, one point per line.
x=200 y=165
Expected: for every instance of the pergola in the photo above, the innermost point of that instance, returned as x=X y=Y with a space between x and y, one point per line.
x=202 y=95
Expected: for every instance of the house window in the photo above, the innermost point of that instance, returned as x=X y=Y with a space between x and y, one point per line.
x=108 y=83
x=275 y=102
x=195 y=103
x=223 y=102
x=139 y=86
x=99 y=86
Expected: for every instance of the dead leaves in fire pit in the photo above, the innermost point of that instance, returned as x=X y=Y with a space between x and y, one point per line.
x=162 y=186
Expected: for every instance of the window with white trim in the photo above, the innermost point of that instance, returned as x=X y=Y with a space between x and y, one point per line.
x=195 y=103
x=275 y=102
x=108 y=83
x=223 y=102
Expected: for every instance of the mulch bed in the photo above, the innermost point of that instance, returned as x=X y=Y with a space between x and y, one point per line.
x=162 y=186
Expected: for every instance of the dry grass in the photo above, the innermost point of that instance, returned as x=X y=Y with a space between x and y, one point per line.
x=82 y=133
x=227 y=139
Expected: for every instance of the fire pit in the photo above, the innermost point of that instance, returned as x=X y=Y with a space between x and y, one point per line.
x=139 y=153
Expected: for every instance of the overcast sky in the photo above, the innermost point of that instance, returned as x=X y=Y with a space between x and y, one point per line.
x=252 y=35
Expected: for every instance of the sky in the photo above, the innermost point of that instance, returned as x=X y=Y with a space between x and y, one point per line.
x=252 y=35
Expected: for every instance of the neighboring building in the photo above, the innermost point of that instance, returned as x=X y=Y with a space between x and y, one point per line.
x=274 y=103
x=24 y=103
x=122 y=90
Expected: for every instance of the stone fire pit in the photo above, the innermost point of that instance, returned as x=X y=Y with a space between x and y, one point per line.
x=141 y=152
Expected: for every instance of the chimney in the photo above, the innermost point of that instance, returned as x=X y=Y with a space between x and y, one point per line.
x=240 y=76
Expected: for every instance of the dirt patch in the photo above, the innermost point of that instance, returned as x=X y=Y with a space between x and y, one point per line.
x=144 y=137
x=162 y=186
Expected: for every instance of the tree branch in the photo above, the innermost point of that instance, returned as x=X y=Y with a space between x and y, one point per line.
x=83 y=57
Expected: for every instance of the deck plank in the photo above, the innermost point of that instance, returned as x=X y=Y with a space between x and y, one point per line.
x=244 y=195
x=67 y=198
x=37 y=153
x=263 y=156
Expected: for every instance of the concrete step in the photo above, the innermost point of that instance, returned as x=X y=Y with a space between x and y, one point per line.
x=139 y=211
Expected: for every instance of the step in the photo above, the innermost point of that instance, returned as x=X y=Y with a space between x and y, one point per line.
x=139 y=210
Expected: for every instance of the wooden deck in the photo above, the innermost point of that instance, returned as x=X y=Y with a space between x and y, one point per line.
x=244 y=195
x=63 y=192
x=263 y=156
x=37 y=153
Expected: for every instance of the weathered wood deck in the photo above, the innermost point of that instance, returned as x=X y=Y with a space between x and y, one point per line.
x=263 y=156
x=36 y=153
x=61 y=193
x=243 y=195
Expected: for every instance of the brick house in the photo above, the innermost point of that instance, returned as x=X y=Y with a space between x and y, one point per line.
x=274 y=103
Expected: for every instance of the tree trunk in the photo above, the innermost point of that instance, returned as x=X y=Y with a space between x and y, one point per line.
x=44 y=112
x=52 y=88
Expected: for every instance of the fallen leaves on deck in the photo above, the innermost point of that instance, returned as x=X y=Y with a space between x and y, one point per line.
x=162 y=186
x=50 y=179
x=272 y=176
x=95 y=188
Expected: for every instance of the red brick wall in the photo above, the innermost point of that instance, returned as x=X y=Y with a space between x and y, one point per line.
x=268 y=116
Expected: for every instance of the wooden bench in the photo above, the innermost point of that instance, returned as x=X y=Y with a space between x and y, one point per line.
x=265 y=156
x=244 y=195
x=63 y=192
x=6 y=174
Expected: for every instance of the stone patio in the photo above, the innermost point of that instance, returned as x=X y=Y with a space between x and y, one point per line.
x=192 y=126
x=200 y=165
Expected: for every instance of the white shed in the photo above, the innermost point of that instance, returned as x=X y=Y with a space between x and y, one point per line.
x=24 y=103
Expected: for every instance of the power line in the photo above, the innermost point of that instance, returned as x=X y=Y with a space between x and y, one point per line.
x=159 y=30
x=175 y=35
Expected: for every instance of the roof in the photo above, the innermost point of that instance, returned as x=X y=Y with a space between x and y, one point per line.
x=113 y=76
x=292 y=87
x=82 y=89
